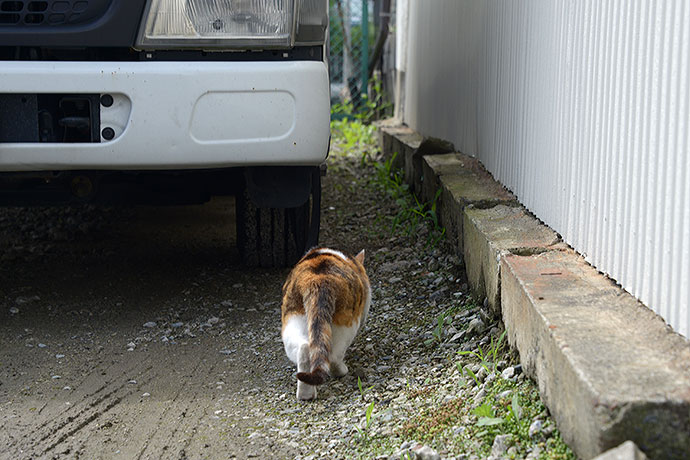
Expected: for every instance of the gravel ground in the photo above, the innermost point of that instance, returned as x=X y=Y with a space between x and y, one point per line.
x=408 y=367
x=135 y=333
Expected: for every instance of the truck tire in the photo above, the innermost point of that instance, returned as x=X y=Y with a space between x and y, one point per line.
x=275 y=237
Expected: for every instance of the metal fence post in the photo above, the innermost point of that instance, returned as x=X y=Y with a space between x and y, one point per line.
x=364 y=67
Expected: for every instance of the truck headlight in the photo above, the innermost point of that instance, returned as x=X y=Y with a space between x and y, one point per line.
x=218 y=24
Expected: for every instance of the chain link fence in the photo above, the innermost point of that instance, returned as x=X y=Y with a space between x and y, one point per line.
x=358 y=31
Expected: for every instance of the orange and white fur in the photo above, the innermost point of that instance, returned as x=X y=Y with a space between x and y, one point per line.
x=326 y=299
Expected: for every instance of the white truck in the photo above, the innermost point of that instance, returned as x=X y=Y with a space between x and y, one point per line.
x=170 y=101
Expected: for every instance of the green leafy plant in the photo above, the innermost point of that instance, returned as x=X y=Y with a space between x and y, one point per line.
x=441 y=321
x=486 y=416
x=515 y=409
x=353 y=134
x=411 y=211
x=488 y=360
x=469 y=372
x=369 y=108
x=361 y=388
x=364 y=431
x=437 y=333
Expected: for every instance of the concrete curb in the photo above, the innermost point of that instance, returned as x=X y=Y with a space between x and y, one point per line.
x=626 y=451
x=607 y=367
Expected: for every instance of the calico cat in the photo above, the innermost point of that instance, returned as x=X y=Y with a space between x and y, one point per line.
x=326 y=299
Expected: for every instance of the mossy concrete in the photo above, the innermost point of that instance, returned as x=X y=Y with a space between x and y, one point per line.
x=400 y=143
x=491 y=233
x=608 y=368
x=463 y=182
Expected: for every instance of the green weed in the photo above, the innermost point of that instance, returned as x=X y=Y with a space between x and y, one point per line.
x=489 y=359
x=369 y=109
x=364 y=431
x=411 y=212
x=361 y=388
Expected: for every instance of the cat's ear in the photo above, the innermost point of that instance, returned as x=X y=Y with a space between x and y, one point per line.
x=360 y=257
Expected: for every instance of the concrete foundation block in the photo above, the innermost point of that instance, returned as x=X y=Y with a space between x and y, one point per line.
x=414 y=172
x=407 y=147
x=608 y=368
x=491 y=233
x=626 y=451
x=396 y=141
x=383 y=130
x=463 y=182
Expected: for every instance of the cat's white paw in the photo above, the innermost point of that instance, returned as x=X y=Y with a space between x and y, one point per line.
x=305 y=392
x=338 y=369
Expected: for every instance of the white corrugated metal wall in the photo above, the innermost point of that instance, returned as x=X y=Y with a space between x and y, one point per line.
x=582 y=109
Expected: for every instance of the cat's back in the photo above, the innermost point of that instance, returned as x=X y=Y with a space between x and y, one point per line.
x=334 y=274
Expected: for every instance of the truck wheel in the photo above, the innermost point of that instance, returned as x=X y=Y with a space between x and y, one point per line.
x=276 y=237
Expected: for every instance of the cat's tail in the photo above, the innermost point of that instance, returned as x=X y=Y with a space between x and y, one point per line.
x=320 y=306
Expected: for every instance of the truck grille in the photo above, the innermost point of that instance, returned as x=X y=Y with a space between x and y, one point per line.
x=50 y=12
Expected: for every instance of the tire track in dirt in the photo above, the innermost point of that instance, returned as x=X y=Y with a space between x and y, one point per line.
x=162 y=423
x=160 y=438
x=58 y=424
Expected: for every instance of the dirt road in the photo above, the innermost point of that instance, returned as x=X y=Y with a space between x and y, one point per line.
x=133 y=333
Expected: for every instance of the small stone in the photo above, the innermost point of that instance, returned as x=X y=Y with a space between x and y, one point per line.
x=42 y=345
x=476 y=326
x=177 y=324
x=500 y=445
x=535 y=428
x=146 y=395
x=479 y=397
x=59 y=356
x=457 y=336
x=505 y=394
x=227 y=352
x=213 y=320
x=56 y=377
x=132 y=382
x=67 y=388
x=508 y=373
x=26 y=299
x=14 y=310
x=407 y=444
x=548 y=430
x=534 y=454
x=426 y=453
x=131 y=345
x=150 y=324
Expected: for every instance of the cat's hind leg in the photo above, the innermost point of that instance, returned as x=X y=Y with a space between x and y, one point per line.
x=304 y=390
x=338 y=369
x=295 y=339
x=342 y=337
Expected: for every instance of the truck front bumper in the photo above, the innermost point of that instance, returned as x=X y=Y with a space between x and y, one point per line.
x=180 y=115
